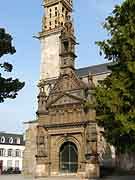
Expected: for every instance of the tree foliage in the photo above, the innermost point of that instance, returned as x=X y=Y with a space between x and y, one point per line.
x=115 y=95
x=8 y=86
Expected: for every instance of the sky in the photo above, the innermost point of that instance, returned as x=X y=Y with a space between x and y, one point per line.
x=22 y=19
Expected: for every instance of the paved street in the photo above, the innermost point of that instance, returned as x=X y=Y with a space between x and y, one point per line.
x=19 y=177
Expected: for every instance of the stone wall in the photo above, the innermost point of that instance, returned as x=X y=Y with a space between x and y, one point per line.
x=29 y=160
x=50 y=59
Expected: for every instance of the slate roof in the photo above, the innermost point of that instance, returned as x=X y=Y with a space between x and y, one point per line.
x=31 y=122
x=95 y=69
x=9 y=136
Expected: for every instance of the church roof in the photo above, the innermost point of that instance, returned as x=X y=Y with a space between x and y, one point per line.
x=94 y=69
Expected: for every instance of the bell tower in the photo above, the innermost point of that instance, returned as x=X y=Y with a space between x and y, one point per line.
x=54 y=18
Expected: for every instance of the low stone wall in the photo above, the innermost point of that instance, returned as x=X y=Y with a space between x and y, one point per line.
x=126 y=161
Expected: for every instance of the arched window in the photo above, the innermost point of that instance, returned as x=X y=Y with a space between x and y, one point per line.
x=10 y=140
x=2 y=139
x=68 y=158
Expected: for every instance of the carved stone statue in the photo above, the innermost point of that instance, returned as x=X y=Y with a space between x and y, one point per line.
x=68 y=28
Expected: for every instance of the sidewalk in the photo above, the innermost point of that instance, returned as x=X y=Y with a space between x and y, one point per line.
x=19 y=177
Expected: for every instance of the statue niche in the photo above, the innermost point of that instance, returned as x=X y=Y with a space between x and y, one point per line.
x=65 y=46
x=42 y=142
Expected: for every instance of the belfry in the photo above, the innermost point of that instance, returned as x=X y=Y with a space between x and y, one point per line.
x=63 y=140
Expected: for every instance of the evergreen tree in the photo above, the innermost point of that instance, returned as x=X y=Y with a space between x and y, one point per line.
x=115 y=95
x=8 y=86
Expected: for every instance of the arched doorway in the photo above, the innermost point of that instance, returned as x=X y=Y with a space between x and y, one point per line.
x=68 y=158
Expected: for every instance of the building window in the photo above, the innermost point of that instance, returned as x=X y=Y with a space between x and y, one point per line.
x=56 y=13
x=2 y=139
x=17 y=164
x=63 y=9
x=18 y=140
x=10 y=151
x=2 y=152
x=9 y=164
x=11 y=140
x=66 y=14
x=17 y=153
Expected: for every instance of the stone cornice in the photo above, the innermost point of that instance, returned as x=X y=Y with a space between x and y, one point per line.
x=52 y=2
x=49 y=32
x=67 y=125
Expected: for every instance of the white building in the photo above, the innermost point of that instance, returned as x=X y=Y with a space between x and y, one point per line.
x=11 y=151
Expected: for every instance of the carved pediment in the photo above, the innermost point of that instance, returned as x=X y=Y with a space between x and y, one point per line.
x=65 y=99
x=67 y=82
x=67 y=90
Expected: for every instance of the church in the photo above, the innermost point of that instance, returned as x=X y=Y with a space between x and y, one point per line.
x=64 y=138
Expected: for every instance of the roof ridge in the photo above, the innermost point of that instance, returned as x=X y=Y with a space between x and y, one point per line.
x=91 y=66
x=6 y=133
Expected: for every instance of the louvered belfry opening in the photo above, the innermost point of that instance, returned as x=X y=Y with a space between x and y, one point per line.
x=68 y=158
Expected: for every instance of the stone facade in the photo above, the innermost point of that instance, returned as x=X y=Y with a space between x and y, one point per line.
x=30 y=151
x=50 y=48
x=63 y=141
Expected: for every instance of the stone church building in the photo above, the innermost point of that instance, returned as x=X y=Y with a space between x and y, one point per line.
x=63 y=140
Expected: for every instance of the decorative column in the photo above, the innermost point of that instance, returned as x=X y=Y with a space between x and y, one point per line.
x=91 y=154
